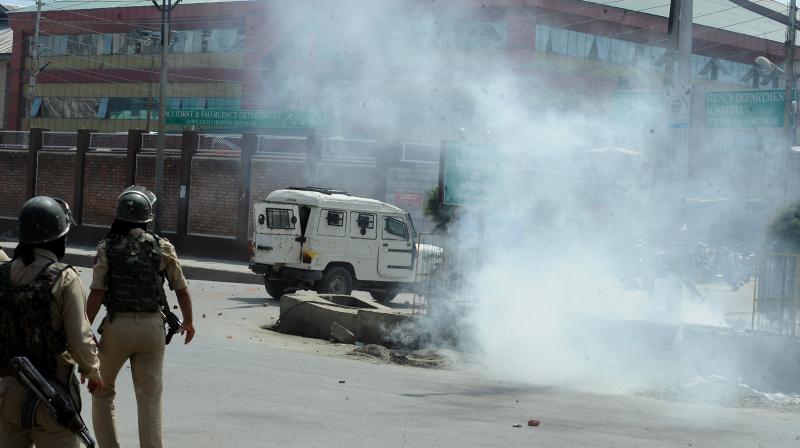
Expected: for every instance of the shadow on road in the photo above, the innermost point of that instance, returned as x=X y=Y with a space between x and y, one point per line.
x=510 y=391
x=253 y=302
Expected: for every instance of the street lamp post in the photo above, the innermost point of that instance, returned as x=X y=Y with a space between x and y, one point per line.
x=166 y=8
x=789 y=112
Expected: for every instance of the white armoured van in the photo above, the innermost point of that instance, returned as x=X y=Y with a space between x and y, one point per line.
x=332 y=242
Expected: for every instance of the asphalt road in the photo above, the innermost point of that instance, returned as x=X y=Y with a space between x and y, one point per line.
x=238 y=385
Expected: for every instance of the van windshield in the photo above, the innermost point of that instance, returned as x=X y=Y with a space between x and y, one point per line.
x=413 y=229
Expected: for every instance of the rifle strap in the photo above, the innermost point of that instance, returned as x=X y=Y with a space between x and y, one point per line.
x=5 y=276
x=28 y=411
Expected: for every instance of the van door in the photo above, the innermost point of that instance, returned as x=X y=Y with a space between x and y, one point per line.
x=397 y=250
x=277 y=233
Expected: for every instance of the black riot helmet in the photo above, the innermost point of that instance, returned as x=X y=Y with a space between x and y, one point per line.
x=136 y=204
x=43 y=219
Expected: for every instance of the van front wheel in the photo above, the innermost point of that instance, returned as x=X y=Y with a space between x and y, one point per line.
x=275 y=288
x=336 y=280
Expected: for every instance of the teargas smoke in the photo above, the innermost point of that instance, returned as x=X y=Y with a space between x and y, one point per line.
x=588 y=211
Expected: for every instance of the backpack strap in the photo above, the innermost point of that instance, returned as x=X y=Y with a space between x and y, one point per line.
x=5 y=277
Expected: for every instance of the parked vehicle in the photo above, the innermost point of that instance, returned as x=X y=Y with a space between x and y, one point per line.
x=332 y=242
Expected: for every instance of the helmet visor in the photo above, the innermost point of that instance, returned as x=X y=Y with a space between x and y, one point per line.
x=151 y=197
x=67 y=211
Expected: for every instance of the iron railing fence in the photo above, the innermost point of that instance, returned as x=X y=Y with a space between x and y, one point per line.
x=103 y=141
x=279 y=144
x=172 y=142
x=776 y=294
x=59 y=140
x=14 y=139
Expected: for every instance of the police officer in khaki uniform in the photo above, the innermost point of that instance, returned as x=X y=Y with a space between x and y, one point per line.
x=42 y=317
x=129 y=269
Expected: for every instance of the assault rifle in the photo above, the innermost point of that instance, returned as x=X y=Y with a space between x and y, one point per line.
x=174 y=323
x=57 y=403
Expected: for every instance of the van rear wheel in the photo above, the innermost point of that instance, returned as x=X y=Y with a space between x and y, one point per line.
x=275 y=288
x=383 y=296
x=336 y=280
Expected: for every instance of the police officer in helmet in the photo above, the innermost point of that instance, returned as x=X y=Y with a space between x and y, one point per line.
x=42 y=317
x=129 y=271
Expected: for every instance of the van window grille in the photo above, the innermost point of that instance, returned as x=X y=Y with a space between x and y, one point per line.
x=279 y=218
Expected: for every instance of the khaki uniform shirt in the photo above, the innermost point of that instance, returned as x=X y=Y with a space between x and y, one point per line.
x=3 y=256
x=68 y=311
x=170 y=265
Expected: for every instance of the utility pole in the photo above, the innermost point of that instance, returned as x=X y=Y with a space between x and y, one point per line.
x=34 y=61
x=166 y=8
x=672 y=42
x=685 y=27
x=669 y=158
x=789 y=121
x=790 y=42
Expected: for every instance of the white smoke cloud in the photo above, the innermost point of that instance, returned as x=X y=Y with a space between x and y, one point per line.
x=566 y=236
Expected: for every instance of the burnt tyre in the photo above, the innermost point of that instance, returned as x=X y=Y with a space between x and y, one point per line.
x=383 y=296
x=275 y=288
x=336 y=280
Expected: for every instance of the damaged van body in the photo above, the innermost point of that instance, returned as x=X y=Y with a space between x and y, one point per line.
x=329 y=241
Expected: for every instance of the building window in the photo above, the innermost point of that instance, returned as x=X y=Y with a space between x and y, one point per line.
x=36 y=107
x=116 y=108
x=139 y=42
x=193 y=103
x=102 y=108
x=106 y=44
x=223 y=103
x=131 y=108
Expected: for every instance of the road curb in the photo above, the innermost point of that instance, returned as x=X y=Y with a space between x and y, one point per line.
x=192 y=270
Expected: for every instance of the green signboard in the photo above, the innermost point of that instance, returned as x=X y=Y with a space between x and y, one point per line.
x=745 y=109
x=245 y=119
x=638 y=109
x=468 y=173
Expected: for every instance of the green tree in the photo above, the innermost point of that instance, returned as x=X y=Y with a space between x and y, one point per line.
x=784 y=231
x=441 y=214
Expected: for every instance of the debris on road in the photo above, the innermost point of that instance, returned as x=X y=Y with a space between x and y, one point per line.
x=416 y=358
x=204 y=315
x=219 y=314
x=723 y=391
x=517 y=426
x=341 y=381
x=373 y=350
x=534 y=422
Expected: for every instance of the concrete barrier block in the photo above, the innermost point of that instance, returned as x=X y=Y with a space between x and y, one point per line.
x=376 y=326
x=342 y=334
x=312 y=316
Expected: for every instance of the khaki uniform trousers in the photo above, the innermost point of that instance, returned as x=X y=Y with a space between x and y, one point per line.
x=140 y=338
x=46 y=431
